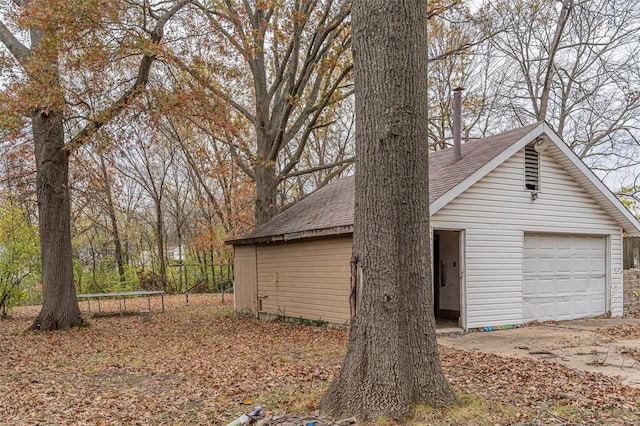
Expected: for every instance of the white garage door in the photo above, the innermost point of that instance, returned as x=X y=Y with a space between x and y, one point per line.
x=564 y=277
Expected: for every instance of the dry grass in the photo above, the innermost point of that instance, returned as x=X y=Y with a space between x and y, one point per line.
x=199 y=364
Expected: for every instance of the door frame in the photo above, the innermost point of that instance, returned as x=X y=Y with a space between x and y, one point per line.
x=462 y=316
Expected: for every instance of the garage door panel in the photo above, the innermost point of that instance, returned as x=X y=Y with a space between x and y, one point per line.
x=564 y=277
x=563 y=285
x=583 y=264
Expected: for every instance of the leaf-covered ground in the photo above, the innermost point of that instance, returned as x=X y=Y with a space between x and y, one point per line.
x=198 y=364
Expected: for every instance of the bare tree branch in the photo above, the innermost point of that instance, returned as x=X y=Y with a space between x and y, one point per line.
x=19 y=51
x=104 y=116
x=346 y=161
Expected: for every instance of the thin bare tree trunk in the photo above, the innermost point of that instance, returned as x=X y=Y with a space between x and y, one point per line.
x=112 y=217
x=204 y=265
x=160 y=246
x=180 y=262
x=565 y=13
x=392 y=360
x=94 y=269
x=213 y=266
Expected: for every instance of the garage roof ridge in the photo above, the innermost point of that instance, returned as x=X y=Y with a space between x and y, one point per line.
x=330 y=209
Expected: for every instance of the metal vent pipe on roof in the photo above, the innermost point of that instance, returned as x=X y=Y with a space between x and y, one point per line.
x=457 y=123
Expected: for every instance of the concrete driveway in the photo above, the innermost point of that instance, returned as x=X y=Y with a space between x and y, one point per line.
x=610 y=346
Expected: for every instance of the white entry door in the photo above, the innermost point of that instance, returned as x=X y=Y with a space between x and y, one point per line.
x=564 y=277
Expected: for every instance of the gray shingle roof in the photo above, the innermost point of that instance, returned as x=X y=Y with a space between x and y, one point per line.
x=445 y=172
x=330 y=209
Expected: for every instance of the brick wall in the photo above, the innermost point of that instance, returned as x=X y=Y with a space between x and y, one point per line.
x=631 y=291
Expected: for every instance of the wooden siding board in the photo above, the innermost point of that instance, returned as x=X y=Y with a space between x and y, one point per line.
x=631 y=251
x=307 y=279
x=307 y=310
x=245 y=280
x=288 y=304
x=285 y=282
x=295 y=292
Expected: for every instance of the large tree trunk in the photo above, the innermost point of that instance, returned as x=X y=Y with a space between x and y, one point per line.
x=392 y=360
x=60 y=306
x=266 y=192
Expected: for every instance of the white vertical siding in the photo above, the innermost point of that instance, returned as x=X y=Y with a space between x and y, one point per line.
x=494 y=277
x=496 y=211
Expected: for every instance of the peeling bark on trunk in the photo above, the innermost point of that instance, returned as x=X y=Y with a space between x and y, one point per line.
x=353 y=294
x=60 y=306
x=392 y=360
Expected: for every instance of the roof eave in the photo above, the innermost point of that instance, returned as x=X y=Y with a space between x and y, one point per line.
x=314 y=233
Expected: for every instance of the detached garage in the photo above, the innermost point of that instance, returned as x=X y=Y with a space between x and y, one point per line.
x=522 y=231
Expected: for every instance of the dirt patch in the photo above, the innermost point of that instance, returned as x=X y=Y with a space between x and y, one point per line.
x=608 y=346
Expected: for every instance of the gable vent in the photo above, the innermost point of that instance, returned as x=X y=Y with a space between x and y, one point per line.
x=531 y=168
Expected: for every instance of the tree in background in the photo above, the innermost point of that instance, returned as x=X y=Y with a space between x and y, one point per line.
x=255 y=99
x=147 y=157
x=392 y=360
x=458 y=52
x=96 y=209
x=276 y=69
x=571 y=63
x=575 y=65
x=67 y=79
x=19 y=256
x=630 y=197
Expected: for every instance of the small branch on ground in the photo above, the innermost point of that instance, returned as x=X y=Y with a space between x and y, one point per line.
x=303 y=421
